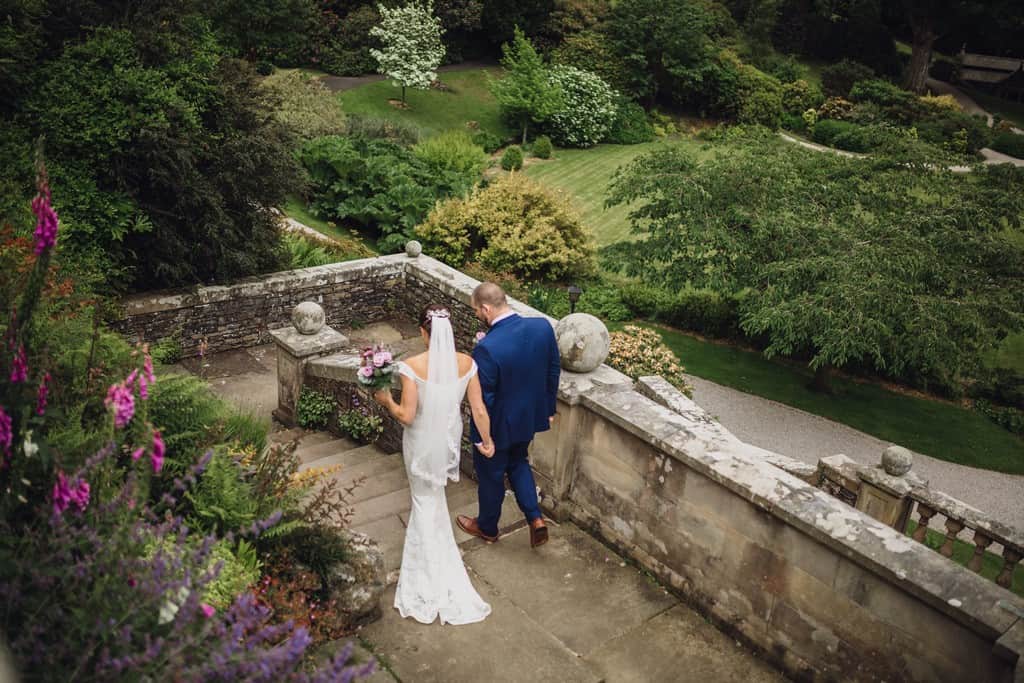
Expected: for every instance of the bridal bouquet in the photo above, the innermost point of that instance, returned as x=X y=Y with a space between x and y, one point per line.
x=376 y=367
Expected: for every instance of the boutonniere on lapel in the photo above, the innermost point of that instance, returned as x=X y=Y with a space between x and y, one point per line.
x=479 y=337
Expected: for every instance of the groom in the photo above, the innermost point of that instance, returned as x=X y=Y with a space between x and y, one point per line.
x=518 y=367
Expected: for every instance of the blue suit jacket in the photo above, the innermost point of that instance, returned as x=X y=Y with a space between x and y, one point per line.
x=518 y=366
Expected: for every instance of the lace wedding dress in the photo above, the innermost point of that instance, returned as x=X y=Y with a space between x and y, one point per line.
x=433 y=582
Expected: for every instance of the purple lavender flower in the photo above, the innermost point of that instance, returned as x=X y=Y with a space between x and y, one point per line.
x=19 y=366
x=123 y=401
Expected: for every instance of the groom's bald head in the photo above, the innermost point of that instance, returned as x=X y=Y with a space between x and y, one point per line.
x=490 y=294
x=489 y=301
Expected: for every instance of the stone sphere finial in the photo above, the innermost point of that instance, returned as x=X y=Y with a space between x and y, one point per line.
x=583 y=342
x=897 y=460
x=413 y=248
x=308 y=317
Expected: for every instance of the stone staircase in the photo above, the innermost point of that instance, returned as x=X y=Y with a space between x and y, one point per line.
x=569 y=611
x=382 y=499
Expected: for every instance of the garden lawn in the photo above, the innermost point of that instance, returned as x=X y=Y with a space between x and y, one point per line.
x=296 y=209
x=941 y=430
x=585 y=174
x=433 y=111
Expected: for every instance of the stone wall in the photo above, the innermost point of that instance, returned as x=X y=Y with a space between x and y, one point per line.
x=242 y=314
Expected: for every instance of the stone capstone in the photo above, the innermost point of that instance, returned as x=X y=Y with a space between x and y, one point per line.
x=308 y=317
x=897 y=460
x=583 y=342
x=413 y=248
x=357 y=584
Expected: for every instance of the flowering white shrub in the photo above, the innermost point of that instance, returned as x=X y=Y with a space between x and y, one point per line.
x=589 y=108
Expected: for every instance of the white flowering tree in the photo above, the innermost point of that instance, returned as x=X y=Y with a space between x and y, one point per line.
x=588 y=108
x=411 y=51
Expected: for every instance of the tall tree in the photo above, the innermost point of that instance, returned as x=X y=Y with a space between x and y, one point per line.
x=888 y=263
x=526 y=94
x=412 y=48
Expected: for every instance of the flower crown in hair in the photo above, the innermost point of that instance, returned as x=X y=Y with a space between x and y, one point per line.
x=438 y=313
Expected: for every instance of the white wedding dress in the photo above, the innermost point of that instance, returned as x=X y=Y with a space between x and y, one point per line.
x=433 y=582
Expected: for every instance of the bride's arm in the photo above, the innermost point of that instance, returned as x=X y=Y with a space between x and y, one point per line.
x=405 y=411
x=480 y=417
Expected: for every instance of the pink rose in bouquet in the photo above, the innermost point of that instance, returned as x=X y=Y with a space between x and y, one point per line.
x=376 y=367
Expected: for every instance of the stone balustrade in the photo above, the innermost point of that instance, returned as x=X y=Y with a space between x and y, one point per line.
x=895 y=500
x=792 y=561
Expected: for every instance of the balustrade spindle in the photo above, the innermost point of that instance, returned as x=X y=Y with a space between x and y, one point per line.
x=953 y=527
x=924 y=513
x=981 y=541
x=1010 y=559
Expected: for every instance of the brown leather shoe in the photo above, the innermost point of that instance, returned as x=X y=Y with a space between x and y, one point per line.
x=468 y=524
x=538 y=532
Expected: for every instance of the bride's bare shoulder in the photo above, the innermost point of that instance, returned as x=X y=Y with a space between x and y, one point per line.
x=418 y=363
x=465 y=363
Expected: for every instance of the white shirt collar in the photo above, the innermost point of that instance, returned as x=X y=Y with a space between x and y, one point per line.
x=502 y=317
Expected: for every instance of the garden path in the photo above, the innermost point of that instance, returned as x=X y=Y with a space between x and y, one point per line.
x=807 y=437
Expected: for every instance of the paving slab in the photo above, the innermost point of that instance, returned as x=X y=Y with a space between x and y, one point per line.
x=360 y=657
x=349 y=458
x=506 y=647
x=511 y=515
x=573 y=586
x=675 y=646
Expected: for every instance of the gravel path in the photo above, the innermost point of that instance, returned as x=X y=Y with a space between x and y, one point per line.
x=806 y=437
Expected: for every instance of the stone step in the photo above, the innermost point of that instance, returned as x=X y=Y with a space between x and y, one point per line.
x=400 y=502
x=376 y=466
x=305 y=437
x=389 y=533
x=390 y=477
x=309 y=455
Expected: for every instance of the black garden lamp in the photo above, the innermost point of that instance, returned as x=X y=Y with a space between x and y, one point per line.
x=574 y=296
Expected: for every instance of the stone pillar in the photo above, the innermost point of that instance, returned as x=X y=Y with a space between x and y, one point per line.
x=307 y=338
x=884 y=491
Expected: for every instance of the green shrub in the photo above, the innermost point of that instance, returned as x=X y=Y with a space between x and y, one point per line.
x=591 y=51
x=512 y=159
x=305 y=105
x=698 y=310
x=786 y=68
x=827 y=130
x=588 y=111
x=542 y=147
x=453 y=151
x=799 y=96
x=837 y=79
x=940 y=127
x=372 y=128
x=245 y=430
x=167 y=351
x=514 y=225
x=882 y=93
x=761 y=107
x=239 y=571
x=600 y=298
x=264 y=68
x=630 y=125
x=490 y=142
x=315 y=409
x=1010 y=419
x=1009 y=143
x=835 y=108
x=361 y=425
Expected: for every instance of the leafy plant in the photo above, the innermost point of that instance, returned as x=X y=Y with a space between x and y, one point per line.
x=304 y=104
x=838 y=78
x=453 y=151
x=525 y=94
x=630 y=125
x=512 y=159
x=411 y=47
x=490 y=142
x=361 y=425
x=587 y=110
x=542 y=147
x=637 y=351
x=314 y=409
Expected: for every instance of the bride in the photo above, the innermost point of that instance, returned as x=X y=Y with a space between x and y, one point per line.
x=433 y=582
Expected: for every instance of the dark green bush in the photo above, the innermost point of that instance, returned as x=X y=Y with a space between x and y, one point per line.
x=1010 y=143
x=799 y=96
x=786 y=68
x=793 y=122
x=1010 y=419
x=882 y=93
x=698 y=310
x=762 y=107
x=542 y=147
x=630 y=125
x=837 y=79
x=264 y=68
x=600 y=298
x=488 y=140
x=939 y=128
x=827 y=130
x=315 y=409
x=512 y=159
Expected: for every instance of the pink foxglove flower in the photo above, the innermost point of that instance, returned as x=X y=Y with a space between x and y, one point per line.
x=46 y=225
x=208 y=610
x=44 y=391
x=137 y=453
x=6 y=435
x=65 y=494
x=121 y=398
x=19 y=366
x=157 y=456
